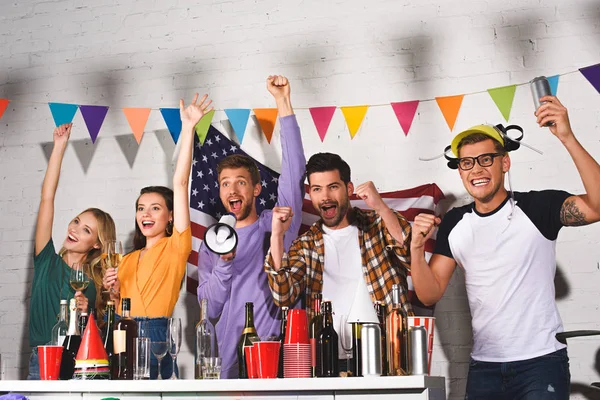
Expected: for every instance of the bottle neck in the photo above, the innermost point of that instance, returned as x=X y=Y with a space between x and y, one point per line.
x=73 y=326
x=204 y=310
x=249 y=317
x=125 y=312
x=63 y=313
x=317 y=306
x=110 y=316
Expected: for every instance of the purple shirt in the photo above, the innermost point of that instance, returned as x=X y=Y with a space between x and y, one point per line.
x=229 y=285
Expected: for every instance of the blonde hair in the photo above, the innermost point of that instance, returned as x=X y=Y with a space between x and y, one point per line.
x=94 y=258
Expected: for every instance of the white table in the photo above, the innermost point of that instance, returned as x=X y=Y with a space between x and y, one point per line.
x=379 y=388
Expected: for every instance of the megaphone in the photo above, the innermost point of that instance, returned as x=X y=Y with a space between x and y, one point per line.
x=221 y=238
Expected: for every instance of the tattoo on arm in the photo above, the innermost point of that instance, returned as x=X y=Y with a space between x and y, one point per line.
x=570 y=215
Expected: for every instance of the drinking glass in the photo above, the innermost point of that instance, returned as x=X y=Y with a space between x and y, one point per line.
x=141 y=357
x=113 y=257
x=174 y=340
x=346 y=340
x=78 y=279
x=159 y=349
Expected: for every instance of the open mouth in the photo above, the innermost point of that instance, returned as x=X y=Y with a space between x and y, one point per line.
x=328 y=211
x=147 y=224
x=235 y=205
x=72 y=239
x=480 y=182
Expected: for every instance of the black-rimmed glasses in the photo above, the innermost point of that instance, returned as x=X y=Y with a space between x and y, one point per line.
x=485 y=160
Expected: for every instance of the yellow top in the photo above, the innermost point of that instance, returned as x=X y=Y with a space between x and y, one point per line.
x=153 y=282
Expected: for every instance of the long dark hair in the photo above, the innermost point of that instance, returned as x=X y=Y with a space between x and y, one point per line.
x=139 y=240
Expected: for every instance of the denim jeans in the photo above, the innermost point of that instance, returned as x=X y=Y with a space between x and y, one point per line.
x=544 y=377
x=156 y=330
x=34 y=365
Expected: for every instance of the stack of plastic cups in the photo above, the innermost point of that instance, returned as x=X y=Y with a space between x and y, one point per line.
x=296 y=346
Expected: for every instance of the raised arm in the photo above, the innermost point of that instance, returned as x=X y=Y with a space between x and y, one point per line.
x=581 y=209
x=43 y=230
x=190 y=116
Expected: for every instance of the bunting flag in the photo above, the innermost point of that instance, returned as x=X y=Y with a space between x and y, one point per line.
x=93 y=116
x=238 y=117
x=3 y=105
x=405 y=112
x=173 y=120
x=137 y=118
x=266 y=118
x=553 y=81
x=63 y=113
x=354 y=116
x=450 y=106
x=592 y=74
x=503 y=97
x=322 y=118
x=203 y=125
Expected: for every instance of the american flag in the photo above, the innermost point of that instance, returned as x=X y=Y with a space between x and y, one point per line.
x=206 y=207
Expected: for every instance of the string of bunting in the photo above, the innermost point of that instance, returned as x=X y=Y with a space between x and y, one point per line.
x=405 y=111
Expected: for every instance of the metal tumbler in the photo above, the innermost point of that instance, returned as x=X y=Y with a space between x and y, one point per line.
x=540 y=87
x=370 y=335
x=417 y=350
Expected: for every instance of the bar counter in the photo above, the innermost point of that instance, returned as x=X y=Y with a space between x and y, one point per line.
x=378 y=388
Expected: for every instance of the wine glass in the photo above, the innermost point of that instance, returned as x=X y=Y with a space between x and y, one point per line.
x=174 y=340
x=346 y=340
x=113 y=257
x=159 y=349
x=79 y=279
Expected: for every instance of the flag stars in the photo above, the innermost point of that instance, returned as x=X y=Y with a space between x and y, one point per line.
x=218 y=139
x=224 y=152
x=210 y=171
x=209 y=142
x=217 y=185
x=275 y=179
x=218 y=215
x=204 y=158
x=194 y=162
x=200 y=174
x=264 y=183
x=206 y=188
x=262 y=201
x=214 y=155
x=233 y=149
x=199 y=145
x=212 y=201
x=194 y=192
x=273 y=197
x=201 y=205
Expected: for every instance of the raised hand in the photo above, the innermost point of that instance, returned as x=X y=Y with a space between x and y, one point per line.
x=193 y=113
x=278 y=86
x=422 y=229
x=369 y=194
x=61 y=134
x=554 y=111
x=282 y=219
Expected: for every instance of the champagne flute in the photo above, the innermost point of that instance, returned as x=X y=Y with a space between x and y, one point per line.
x=174 y=340
x=159 y=349
x=113 y=257
x=346 y=340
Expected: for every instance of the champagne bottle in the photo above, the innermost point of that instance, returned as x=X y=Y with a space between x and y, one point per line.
x=248 y=337
x=316 y=324
x=59 y=330
x=395 y=325
x=206 y=338
x=107 y=332
x=327 y=345
x=71 y=344
x=124 y=333
x=284 y=313
x=380 y=310
x=83 y=319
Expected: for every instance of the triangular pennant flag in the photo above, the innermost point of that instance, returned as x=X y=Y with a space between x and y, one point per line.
x=266 y=119
x=354 y=116
x=405 y=112
x=63 y=113
x=553 y=81
x=592 y=74
x=450 y=106
x=238 y=117
x=503 y=97
x=203 y=125
x=3 y=105
x=93 y=117
x=137 y=118
x=173 y=120
x=322 y=118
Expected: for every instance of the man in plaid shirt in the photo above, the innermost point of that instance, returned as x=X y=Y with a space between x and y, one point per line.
x=361 y=250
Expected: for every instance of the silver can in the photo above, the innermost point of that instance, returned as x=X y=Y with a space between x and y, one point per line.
x=370 y=336
x=417 y=350
x=540 y=87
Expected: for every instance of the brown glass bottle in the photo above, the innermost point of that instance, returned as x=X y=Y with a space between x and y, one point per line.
x=316 y=324
x=327 y=346
x=124 y=333
x=248 y=337
x=380 y=310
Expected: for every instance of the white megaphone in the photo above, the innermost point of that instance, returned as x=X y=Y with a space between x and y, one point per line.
x=221 y=238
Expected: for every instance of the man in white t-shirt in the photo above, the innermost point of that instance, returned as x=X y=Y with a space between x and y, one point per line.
x=506 y=245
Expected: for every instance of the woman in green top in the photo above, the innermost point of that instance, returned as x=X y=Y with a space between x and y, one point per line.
x=87 y=237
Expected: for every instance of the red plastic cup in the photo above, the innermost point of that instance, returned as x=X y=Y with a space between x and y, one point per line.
x=297 y=327
x=50 y=358
x=266 y=359
x=250 y=361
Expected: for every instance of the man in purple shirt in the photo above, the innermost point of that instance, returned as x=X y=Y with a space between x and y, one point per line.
x=231 y=280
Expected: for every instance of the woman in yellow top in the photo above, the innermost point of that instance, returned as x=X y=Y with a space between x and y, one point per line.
x=151 y=275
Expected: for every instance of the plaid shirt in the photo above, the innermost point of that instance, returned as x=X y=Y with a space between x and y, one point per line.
x=384 y=263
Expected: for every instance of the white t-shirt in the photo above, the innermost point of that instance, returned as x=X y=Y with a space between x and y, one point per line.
x=509 y=267
x=342 y=277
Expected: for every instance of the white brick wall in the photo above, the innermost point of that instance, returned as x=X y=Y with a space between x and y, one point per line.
x=149 y=53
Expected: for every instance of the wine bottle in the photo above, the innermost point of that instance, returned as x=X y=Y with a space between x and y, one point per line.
x=124 y=333
x=282 y=327
x=107 y=331
x=59 y=330
x=248 y=337
x=395 y=325
x=206 y=338
x=71 y=344
x=316 y=324
x=327 y=345
x=355 y=366
x=380 y=310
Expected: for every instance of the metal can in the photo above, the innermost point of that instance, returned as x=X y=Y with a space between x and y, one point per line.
x=540 y=87
x=417 y=350
x=370 y=335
